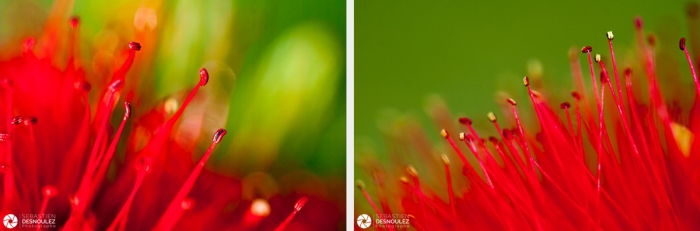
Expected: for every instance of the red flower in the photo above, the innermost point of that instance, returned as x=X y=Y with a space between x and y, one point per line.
x=618 y=164
x=60 y=158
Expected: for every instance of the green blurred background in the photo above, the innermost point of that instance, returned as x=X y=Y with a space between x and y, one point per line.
x=466 y=51
x=277 y=78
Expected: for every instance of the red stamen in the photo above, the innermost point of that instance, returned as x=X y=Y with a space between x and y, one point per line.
x=605 y=79
x=143 y=168
x=361 y=186
x=588 y=50
x=446 y=135
x=297 y=207
x=610 y=37
x=690 y=63
x=528 y=154
x=171 y=211
x=48 y=192
x=446 y=162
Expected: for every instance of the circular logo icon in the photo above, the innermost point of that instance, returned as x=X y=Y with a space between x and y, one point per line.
x=364 y=221
x=10 y=221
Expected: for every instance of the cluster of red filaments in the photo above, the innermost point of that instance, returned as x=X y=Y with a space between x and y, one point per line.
x=624 y=165
x=62 y=167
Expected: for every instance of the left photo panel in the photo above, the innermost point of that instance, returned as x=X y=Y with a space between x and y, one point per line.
x=172 y=115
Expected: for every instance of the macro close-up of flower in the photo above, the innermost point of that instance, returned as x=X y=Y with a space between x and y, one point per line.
x=172 y=115
x=605 y=137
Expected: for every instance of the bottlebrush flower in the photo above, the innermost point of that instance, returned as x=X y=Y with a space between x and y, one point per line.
x=59 y=155
x=619 y=158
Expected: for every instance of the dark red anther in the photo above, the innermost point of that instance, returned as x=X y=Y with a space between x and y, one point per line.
x=565 y=105
x=638 y=22
x=681 y=44
x=493 y=140
x=116 y=85
x=16 y=120
x=219 y=135
x=135 y=46
x=628 y=71
x=511 y=102
x=30 y=121
x=576 y=95
x=603 y=77
x=586 y=49
x=465 y=121
x=203 y=77
x=127 y=110
x=74 y=22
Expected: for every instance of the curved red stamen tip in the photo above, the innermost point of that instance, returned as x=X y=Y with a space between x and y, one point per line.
x=116 y=85
x=135 y=46
x=187 y=204
x=219 y=135
x=681 y=44
x=586 y=49
x=628 y=71
x=565 y=105
x=511 y=101
x=465 y=121
x=49 y=191
x=576 y=95
x=28 y=44
x=74 y=22
x=638 y=22
x=30 y=121
x=300 y=203
x=144 y=164
x=127 y=110
x=203 y=77
x=16 y=120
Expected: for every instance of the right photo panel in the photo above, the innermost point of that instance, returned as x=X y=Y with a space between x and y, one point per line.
x=534 y=115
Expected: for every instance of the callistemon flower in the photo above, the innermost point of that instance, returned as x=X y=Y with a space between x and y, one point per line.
x=59 y=154
x=624 y=156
